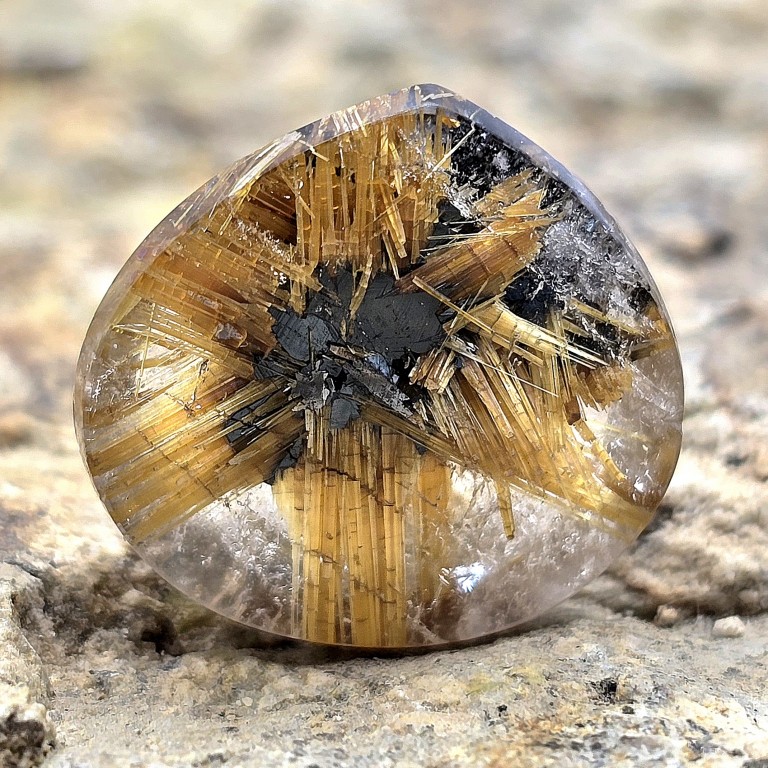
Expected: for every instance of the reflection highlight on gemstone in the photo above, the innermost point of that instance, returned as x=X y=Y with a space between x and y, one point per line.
x=463 y=578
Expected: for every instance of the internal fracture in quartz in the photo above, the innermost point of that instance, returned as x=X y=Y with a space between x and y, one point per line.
x=362 y=314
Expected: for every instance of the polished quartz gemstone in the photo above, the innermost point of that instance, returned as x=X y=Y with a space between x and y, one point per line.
x=396 y=379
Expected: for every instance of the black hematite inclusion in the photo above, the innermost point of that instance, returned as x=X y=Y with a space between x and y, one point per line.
x=393 y=323
x=450 y=224
x=481 y=160
x=532 y=297
x=240 y=428
x=331 y=358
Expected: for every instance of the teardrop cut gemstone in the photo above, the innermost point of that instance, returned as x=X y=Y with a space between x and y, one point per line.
x=394 y=380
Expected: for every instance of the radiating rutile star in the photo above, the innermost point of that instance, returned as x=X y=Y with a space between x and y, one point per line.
x=400 y=343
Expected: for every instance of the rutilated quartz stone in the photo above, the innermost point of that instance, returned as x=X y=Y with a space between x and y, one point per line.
x=396 y=379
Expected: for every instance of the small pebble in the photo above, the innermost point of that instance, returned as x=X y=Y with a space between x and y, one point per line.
x=731 y=626
x=666 y=616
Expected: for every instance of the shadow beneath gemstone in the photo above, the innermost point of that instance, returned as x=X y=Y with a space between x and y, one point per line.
x=119 y=600
x=276 y=649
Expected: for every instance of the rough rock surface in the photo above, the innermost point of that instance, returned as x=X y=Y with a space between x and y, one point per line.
x=26 y=733
x=112 y=113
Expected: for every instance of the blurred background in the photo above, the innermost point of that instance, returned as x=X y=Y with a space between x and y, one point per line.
x=112 y=112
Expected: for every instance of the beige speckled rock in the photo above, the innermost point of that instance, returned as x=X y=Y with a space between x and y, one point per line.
x=730 y=626
x=26 y=732
x=112 y=113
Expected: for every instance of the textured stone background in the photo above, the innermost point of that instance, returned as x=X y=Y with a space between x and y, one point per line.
x=110 y=113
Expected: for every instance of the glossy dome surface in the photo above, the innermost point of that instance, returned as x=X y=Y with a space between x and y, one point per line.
x=395 y=380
